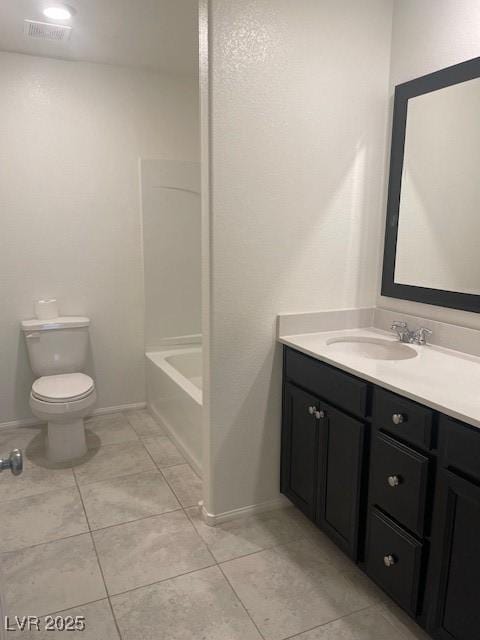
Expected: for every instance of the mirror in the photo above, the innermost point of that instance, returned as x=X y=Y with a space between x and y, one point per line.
x=433 y=216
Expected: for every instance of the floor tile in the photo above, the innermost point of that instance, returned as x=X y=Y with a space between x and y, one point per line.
x=34 y=480
x=369 y=624
x=127 y=498
x=163 y=451
x=109 y=429
x=41 y=518
x=409 y=629
x=197 y=606
x=114 y=460
x=51 y=577
x=247 y=535
x=144 y=424
x=295 y=587
x=25 y=438
x=99 y=624
x=185 y=483
x=146 y=551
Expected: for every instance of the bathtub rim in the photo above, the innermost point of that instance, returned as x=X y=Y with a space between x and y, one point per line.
x=159 y=359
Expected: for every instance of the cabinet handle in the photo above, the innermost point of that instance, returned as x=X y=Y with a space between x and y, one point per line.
x=311 y=410
x=393 y=481
x=398 y=418
x=319 y=415
x=389 y=560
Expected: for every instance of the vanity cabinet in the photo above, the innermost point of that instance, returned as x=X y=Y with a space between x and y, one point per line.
x=455 y=564
x=323 y=447
x=395 y=484
x=300 y=447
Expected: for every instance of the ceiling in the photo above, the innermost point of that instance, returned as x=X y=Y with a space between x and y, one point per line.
x=161 y=35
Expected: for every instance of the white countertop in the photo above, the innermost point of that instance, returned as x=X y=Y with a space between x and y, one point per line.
x=443 y=379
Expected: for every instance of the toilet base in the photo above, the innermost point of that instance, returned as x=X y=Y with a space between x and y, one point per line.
x=66 y=441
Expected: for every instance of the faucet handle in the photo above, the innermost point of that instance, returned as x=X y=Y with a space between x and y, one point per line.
x=422 y=334
x=399 y=324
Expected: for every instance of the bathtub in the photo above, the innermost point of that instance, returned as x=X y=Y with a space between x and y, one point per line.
x=174 y=394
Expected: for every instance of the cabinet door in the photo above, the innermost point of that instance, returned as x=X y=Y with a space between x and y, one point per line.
x=342 y=449
x=300 y=449
x=455 y=566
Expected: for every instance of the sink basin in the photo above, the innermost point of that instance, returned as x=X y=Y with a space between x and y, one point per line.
x=371 y=348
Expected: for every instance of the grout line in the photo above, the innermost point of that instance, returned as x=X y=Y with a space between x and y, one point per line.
x=325 y=624
x=150 y=516
x=152 y=584
x=75 y=606
x=240 y=601
x=98 y=561
x=40 y=544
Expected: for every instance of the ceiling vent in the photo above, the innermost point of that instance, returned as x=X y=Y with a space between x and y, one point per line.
x=46 y=31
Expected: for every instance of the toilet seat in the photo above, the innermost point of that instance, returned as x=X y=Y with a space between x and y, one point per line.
x=63 y=388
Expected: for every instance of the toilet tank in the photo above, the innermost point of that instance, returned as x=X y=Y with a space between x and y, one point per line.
x=56 y=346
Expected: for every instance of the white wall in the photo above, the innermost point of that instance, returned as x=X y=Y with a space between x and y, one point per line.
x=429 y=35
x=71 y=135
x=171 y=250
x=297 y=142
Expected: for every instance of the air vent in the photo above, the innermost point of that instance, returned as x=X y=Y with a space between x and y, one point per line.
x=46 y=31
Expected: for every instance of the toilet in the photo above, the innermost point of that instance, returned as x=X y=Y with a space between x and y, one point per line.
x=62 y=395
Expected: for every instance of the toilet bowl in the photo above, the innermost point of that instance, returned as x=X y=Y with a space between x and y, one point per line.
x=63 y=401
x=61 y=395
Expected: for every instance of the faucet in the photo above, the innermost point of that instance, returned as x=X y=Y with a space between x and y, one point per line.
x=419 y=336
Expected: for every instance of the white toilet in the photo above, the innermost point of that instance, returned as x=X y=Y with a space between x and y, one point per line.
x=61 y=395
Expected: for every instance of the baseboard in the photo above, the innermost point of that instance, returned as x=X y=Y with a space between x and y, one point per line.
x=33 y=422
x=177 y=442
x=23 y=422
x=277 y=503
x=120 y=407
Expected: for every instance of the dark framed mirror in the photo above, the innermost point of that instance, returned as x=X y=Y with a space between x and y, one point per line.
x=432 y=237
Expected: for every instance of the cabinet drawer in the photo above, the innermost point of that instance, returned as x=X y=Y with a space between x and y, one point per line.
x=404 y=418
x=398 y=481
x=336 y=387
x=394 y=560
x=459 y=446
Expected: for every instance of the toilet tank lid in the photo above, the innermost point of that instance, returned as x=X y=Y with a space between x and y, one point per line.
x=63 y=322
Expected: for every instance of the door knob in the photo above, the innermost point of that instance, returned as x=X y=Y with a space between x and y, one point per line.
x=319 y=415
x=389 y=560
x=398 y=418
x=393 y=481
x=14 y=462
x=311 y=410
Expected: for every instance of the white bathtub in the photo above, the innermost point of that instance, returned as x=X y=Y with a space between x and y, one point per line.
x=174 y=394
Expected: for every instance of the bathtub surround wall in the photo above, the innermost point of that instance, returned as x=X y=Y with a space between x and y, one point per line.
x=429 y=35
x=296 y=132
x=71 y=135
x=171 y=251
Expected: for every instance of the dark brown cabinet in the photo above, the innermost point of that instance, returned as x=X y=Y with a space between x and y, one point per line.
x=340 y=477
x=300 y=449
x=456 y=560
x=323 y=447
x=395 y=484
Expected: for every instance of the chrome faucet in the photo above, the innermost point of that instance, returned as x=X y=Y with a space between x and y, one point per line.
x=419 y=336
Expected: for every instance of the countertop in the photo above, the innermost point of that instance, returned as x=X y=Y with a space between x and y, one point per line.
x=445 y=380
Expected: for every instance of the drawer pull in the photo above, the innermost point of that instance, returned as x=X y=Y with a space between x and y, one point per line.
x=398 y=418
x=319 y=415
x=393 y=481
x=389 y=561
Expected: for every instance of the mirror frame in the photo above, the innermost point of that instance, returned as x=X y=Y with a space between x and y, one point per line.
x=456 y=74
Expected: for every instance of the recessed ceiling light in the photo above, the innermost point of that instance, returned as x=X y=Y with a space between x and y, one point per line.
x=57 y=13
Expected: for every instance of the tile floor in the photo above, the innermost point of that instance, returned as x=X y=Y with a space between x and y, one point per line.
x=118 y=538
